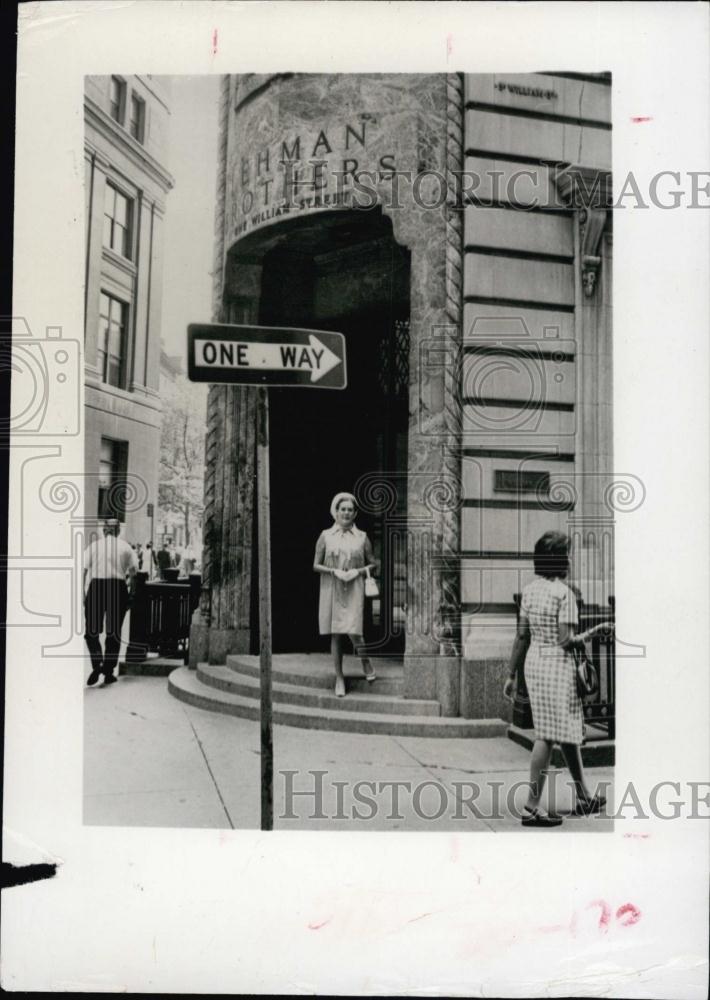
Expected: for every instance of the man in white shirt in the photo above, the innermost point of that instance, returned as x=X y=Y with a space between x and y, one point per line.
x=107 y=562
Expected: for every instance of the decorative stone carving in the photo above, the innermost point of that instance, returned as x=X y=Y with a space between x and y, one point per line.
x=449 y=584
x=589 y=191
x=591 y=227
x=215 y=392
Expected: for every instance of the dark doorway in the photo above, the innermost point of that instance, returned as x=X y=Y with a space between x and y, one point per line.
x=347 y=275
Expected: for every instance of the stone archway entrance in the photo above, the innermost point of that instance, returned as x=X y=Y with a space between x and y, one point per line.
x=341 y=271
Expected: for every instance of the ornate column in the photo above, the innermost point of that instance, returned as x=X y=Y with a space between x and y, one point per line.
x=211 y=534
x=448 y=618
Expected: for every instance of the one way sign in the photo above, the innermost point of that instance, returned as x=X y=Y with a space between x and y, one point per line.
x=266 y=355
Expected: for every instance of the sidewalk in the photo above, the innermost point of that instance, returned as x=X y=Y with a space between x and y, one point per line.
x=151 y=760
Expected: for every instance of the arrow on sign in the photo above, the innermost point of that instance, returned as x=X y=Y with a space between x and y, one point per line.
x=314 y=358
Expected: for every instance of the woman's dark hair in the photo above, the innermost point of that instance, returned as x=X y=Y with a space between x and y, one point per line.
x=551 y=556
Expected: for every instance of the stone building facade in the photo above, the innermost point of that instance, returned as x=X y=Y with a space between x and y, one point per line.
x=126 y=184
x=456 y=229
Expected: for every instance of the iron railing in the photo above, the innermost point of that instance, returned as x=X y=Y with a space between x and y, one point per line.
x=161 y=613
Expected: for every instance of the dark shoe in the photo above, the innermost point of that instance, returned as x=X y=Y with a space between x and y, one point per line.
x=536 y=818
x=93 y=678
x=589 y=807
x=110 y=679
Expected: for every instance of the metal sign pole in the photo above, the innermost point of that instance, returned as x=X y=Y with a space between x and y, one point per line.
x=152 y=542
x=236 y=354
x=264 y=529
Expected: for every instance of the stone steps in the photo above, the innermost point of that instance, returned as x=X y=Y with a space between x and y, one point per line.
x=317 y=672
x=236 y=681
x=189 y=686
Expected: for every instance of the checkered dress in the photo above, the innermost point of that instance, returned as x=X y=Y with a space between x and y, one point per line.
x=549 y=670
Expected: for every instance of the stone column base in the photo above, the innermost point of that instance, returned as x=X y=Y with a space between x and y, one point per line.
x=199 y=640
x=420 y=672
x=223 y=641
x=448 y=684
x=482 y=683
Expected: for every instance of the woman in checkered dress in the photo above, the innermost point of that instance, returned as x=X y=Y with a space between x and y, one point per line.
x=546 y=640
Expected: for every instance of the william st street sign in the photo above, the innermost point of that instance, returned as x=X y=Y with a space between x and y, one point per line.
x=265 y=355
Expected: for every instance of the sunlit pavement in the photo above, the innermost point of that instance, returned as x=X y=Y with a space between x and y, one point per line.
x=151 y=760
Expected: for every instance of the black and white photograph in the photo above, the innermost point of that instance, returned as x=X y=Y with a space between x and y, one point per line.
x=404 y=381
x=356 y=628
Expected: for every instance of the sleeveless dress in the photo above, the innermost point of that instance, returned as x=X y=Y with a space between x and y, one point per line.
x=549 y=670
x=341 y=605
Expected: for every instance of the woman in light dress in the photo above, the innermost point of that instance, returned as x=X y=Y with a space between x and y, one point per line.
x=545 y=641
x=343 y=557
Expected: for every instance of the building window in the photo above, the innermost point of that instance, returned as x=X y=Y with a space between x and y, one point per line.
x=111 y=349
x=136 y=124
x=113 y=465
x=118 y=99
x=118 y=216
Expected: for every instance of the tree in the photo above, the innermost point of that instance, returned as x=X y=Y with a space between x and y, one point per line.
x=182 y=451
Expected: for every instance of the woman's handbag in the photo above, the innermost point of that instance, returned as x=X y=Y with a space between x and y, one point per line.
x=371 y=588
x=586 y=674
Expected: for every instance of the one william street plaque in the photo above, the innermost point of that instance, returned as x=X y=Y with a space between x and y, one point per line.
x=266 y=355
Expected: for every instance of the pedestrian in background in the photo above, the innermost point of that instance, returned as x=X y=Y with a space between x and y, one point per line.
x=151 y=560
x=108 y=561
x=545 y=642
x=164 y=559
x=187 y=565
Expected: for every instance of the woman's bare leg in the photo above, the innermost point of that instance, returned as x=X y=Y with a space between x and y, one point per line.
x=539 y=763
x=336 y=649
x=359 y=647
x=573 y=759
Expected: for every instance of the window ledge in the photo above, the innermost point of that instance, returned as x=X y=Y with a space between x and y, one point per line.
x=137 y=398
x=95 y=381
x=119 y=260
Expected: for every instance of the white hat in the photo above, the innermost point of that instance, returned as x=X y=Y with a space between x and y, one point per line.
x=336 y=500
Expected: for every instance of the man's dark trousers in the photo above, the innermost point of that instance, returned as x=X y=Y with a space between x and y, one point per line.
x=106 y=599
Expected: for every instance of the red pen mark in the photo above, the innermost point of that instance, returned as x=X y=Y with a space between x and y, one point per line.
x=449 y=45
x=626 y=916
x=214 y=42
x=641 y=118
x=317 y=927
x=604 y=916
x=634 y=914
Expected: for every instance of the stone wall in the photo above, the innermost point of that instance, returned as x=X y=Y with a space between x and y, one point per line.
x=536 y=409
